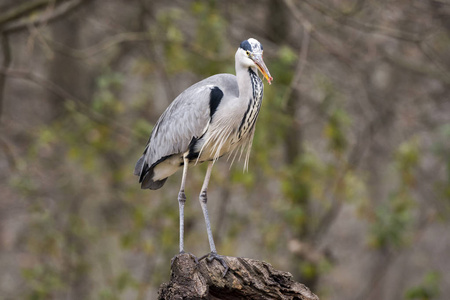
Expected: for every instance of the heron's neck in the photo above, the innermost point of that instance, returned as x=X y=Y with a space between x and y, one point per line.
x=250 y=98
x=250 y=85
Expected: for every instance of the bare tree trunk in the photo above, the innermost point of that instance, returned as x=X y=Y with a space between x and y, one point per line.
x=246 y=279
x=65 y=71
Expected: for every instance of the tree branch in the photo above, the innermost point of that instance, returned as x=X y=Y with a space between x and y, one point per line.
x=246 y=279
x=49 y=85
x=60 y=11
x=22 y=9
x=343 y=19
x=100 y=46
x=59 y=91
x=5 y=64
x=325 y=41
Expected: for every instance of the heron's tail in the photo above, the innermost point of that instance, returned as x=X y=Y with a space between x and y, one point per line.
x=148 y=183
x=146 y=175
x=138 y=167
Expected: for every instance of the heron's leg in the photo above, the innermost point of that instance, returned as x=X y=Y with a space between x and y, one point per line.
x=203 y=200
x=181 y=202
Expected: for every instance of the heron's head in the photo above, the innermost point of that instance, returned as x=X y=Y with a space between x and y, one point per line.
x=250 y=55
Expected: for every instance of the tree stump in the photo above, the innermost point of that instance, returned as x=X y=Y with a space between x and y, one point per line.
x=246 y=279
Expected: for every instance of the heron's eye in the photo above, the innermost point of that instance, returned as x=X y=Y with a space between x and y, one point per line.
x=248 y=53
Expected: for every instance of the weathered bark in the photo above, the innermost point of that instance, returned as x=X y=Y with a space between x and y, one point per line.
x=246 y=279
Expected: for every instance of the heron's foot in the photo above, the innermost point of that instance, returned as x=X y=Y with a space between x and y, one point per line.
x=214 y=256
x=183 y=252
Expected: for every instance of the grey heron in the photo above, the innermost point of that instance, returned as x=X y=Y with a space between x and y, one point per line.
x=213 y=117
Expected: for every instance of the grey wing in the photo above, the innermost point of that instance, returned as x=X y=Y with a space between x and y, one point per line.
x=186 y=118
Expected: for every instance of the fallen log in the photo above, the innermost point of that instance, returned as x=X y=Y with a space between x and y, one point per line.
x=246 y=279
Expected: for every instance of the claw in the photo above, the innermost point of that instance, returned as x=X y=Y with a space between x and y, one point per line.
x=183 y=252
x=214 y=256
x=194 y=257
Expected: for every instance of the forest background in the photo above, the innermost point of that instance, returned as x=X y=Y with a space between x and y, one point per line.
x=349 y=179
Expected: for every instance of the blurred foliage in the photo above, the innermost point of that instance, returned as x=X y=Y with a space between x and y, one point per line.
x=427 y=290
x=342 y=137
x=441 y=151
x=300 y=185
x=393 y=220
x=43 y=282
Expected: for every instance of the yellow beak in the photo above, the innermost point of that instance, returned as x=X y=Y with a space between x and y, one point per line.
x=257 y=58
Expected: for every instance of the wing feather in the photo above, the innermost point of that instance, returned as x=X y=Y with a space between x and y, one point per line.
x=187 y=117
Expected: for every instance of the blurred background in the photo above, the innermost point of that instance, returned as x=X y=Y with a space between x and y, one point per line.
x=349 y=179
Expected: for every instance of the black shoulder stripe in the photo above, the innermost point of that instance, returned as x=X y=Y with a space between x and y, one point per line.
x=192 y=153
x=214 y=100
x=245 y=115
